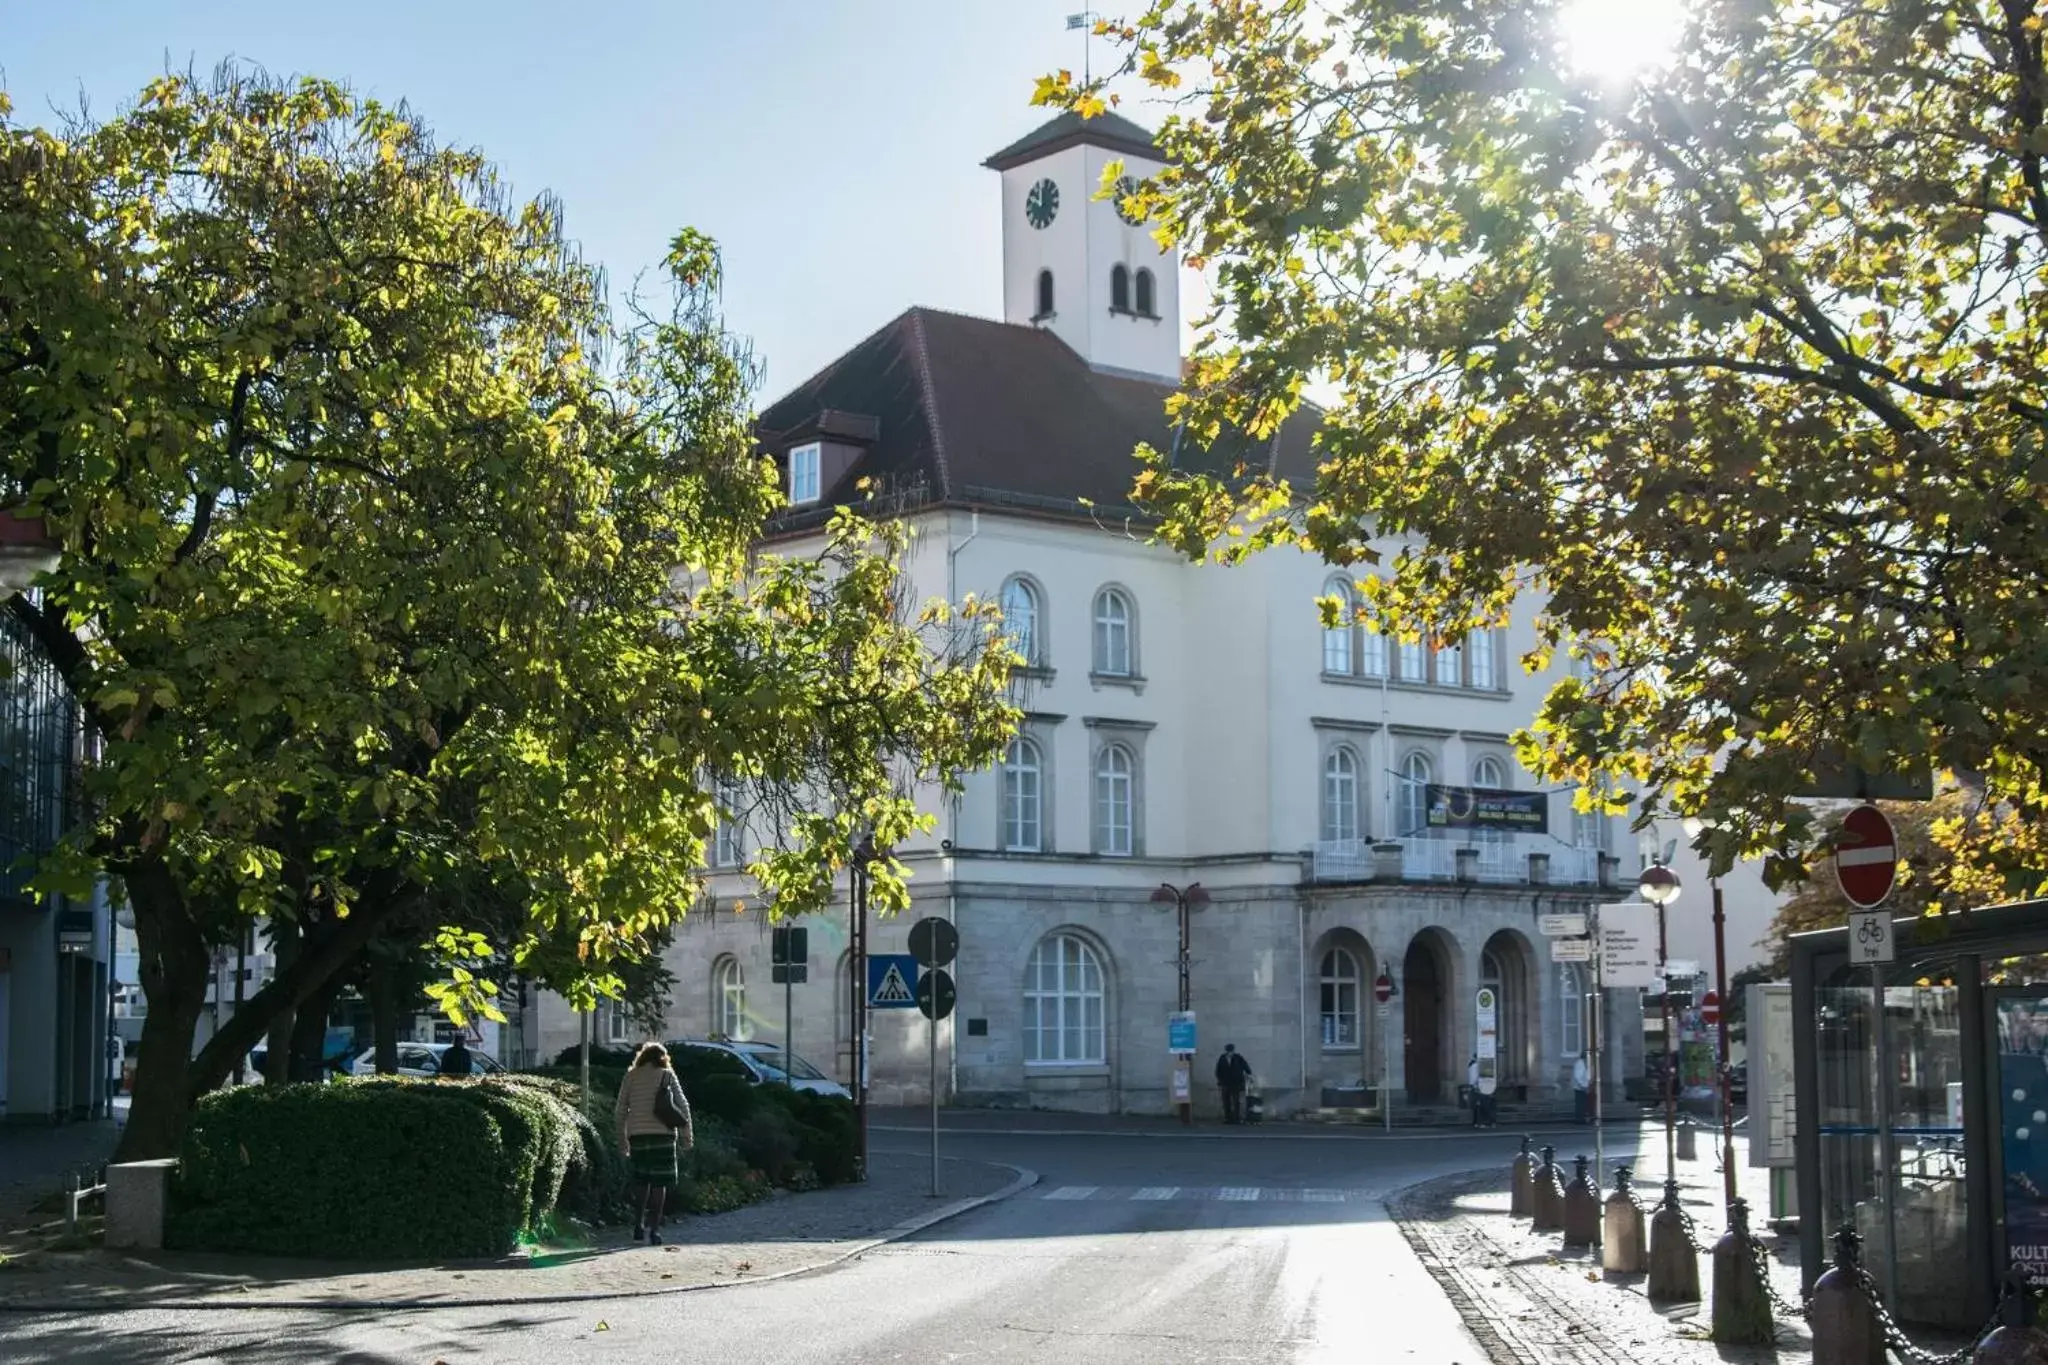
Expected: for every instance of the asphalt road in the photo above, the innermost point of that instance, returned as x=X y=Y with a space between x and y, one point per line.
x=1260 y=1245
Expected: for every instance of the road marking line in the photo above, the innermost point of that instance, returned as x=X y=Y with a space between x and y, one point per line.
x=1157 y=1192
x=1072 y=1192
x=1240 y=1192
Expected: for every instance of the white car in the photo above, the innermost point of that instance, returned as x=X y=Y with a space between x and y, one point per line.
x=424 y=1059
x=763 y=1062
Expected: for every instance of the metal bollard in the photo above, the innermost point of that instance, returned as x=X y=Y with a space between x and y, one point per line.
x=1742 y=1306
x=1522 y=1182
x=1845 y=1326
x=1546 y=1208
x=1674 y=1268
x=1688 y=1142
x=1581 y=1210
x=1621 y=1243
x=2014 y=1341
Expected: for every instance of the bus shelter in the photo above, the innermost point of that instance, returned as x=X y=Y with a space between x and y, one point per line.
x=1944 y=1171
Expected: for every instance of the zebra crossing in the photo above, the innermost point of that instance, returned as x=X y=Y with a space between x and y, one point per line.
x=1226 y=1194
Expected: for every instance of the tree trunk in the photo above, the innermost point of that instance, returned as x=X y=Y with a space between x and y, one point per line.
x=277 y=1056
x=309 y=1031
x=173 y=969
x=384 y=1015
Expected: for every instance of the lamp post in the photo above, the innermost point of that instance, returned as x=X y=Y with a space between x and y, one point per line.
x=1694 y=827
x=1660 y=886
x=1184 y=902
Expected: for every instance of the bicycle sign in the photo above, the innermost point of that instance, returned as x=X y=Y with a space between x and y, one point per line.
x=1870 y=936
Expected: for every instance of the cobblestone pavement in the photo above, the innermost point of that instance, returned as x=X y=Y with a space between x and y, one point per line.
x=35 y=1160
x=782 y=1235
x=1531 y=1303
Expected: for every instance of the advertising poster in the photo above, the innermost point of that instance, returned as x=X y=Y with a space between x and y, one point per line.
x=1486 y=808
x=2023 y=1133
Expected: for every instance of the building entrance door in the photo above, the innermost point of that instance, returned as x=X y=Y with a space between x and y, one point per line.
x=1422 y=1024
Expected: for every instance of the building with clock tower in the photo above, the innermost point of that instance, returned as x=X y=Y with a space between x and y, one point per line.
x=1082 y=265
x=1184 y=726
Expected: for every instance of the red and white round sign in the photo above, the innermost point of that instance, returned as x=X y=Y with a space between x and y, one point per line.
x=1710 y=1009
x=1383 y=988
x=1866 y=857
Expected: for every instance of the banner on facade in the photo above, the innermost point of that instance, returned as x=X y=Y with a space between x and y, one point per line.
x=1486 y=808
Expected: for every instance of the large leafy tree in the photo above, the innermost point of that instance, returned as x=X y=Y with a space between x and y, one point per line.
x=395 y=563
x=1735 y=368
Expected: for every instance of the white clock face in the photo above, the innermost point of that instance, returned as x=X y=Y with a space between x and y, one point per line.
x=1042 y=204
x=1125 y=188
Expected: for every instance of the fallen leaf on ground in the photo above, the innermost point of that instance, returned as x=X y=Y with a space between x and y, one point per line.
x=746 y=1265
x=603 y=1326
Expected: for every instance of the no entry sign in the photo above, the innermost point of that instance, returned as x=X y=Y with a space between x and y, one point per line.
x=1710 y=1009
x=1866 y=857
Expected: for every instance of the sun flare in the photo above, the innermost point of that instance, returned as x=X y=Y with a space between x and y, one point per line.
x=1614 y=40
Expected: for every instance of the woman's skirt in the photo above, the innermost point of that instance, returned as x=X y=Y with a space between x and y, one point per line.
x=653 y=1158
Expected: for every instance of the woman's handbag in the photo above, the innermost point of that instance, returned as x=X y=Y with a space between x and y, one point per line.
x=669 y=1105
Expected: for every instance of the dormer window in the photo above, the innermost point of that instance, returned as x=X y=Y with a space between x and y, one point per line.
x=803 y=474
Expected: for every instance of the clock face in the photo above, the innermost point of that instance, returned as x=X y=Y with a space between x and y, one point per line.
x=1125 y=188
x=1042 y=204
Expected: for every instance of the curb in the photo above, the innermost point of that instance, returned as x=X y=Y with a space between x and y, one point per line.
x=1306 y=1132
x=1024 y=1180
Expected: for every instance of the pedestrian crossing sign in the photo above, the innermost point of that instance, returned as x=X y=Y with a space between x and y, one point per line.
x=892 y=981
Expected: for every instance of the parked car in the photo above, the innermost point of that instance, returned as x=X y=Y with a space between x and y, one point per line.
x=424 y=1059
x=763 y=1064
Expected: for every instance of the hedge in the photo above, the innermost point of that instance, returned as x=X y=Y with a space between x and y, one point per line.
x=386 y=1168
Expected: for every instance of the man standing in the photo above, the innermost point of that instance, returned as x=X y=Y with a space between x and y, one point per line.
x=1582 y=1090
x=456 y=1061
x=1233 y=1072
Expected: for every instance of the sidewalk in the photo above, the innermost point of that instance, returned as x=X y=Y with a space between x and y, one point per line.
x=788 y=1234
x=1531 y=1303
x=1045 y=1122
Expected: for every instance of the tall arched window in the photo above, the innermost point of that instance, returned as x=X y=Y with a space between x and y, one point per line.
x=1479 y=645
x=1023 y=826
x=1020 y=621
x=1340 y=980
x=1572 y=987
x=1488 y=772
x=1116 y=783
x=1145 y=308
x=729 y=999
x=1115 y=651
x=1491 y=843
x=1411 y=808
x=1340 y=795
x=729 y=841
x=1063 y=1003
x=1044 y=294
x=1119 y=289
x=1338 y=654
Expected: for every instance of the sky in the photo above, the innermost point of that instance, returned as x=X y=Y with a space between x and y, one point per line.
x=833 y=147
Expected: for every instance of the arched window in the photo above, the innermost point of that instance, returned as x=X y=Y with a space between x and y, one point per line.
x=1116 y=773
x=1340 y=981
x=1411 y=811
x=729 y=999
x=1491 y=843
x=1479 y=645
x=1488 y=772
x=1340 y=795
x=1020 y=620
x=1023 y=827
x=1338 y=654
x=1115 y=651
x=1063 y=1003
x=1044 y=294
x=1119 y=289
x=1145 y=295
x=1572 y=987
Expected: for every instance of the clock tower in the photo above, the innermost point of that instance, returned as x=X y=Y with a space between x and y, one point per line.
x=1078 y=265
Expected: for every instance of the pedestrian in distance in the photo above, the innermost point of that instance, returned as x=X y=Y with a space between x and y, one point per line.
x=1233 y=1073
x=457 y=1061
x=1582 y=1090
x=653 y=1116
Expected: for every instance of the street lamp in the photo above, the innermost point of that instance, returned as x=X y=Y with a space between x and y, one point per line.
x=1660 y=886
x=26 y=551
x=1695 y=826
x=1183 y=902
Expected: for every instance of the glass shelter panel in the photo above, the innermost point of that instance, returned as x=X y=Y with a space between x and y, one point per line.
x=1921 y=1065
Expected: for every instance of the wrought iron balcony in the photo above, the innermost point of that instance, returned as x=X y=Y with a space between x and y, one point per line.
x=1475 y=858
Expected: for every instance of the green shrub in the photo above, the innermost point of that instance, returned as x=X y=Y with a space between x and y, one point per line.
x=732 y=1099
x=721 y=1194
x=694 y=1064
x=768 y=1143
x=827 y=1132
x=386 y=1168
x=597 y=1182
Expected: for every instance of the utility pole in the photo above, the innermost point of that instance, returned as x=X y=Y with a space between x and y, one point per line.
x=1184 y=902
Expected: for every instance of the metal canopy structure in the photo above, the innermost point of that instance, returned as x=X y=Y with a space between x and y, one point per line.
x=1965 y=1018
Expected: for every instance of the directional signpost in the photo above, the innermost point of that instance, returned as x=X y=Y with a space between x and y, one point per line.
x=1867 y=866
x=1382 y=992
x=789 y=955
x=934 y=942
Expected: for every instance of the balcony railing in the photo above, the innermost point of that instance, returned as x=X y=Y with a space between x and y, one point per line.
x=1482 y=858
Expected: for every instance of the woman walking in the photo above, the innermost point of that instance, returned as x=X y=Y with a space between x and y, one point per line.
x=654 y=1125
